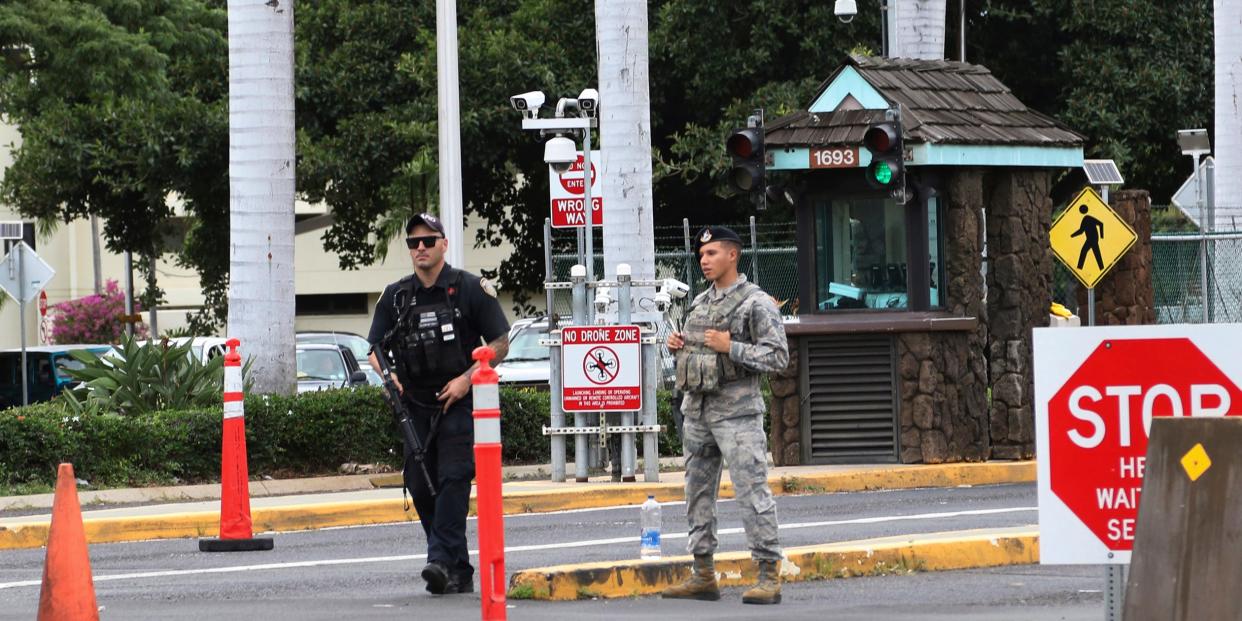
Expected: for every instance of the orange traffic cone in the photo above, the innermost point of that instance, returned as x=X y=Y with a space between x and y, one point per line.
x=68 y=594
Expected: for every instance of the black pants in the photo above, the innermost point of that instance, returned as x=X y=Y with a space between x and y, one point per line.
x=450 y=460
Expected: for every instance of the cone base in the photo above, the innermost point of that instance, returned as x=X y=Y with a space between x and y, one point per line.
x=235 y=545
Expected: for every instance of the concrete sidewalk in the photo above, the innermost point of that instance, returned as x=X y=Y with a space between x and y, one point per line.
x=304 y=504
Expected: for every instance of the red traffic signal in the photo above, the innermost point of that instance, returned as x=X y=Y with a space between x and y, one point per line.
x=745 y=146
x=880 y=138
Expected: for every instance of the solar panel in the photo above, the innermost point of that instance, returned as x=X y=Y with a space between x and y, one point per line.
x=1102 y=172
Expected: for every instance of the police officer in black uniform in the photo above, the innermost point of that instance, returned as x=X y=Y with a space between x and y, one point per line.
x=435 y=318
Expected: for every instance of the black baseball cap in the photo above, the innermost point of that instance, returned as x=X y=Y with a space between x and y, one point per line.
x=715 y=234
x=427 y=220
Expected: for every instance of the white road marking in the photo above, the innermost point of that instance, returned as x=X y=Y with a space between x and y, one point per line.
x=527 y=548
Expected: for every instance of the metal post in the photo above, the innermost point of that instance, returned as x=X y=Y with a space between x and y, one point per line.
x=578 y=277
x=129 y=294
x=1209 y=202
x=1114 y=592
x=1091 y=306
x=557 y=415
x=754 y=253
x=95 y=255
x=628 y=453
x=961 y=31
x=449 y=129
x=21 y=313
x=651 y=445
x=155 y=322
x=685 y=229
x=589 y=207
x=1203 y=268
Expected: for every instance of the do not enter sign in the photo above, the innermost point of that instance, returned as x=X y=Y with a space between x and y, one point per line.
x=1097 y=390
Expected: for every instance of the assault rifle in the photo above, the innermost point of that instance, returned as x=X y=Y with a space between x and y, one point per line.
x=402 y=415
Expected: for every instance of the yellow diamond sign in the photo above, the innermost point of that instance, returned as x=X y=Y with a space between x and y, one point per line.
x=1196 y=462
x=1089 y=237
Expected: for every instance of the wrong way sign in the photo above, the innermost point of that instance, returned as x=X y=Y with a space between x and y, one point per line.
x=568 y=194
x=601 y=369
x=1096 y=393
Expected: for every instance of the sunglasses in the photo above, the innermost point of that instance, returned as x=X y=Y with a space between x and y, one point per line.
x=427 y=241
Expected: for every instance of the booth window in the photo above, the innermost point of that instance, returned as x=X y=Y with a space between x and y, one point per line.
x=862 y=254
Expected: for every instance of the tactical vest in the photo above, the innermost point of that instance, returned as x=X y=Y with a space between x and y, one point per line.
x=699 y=367
x=427 y=346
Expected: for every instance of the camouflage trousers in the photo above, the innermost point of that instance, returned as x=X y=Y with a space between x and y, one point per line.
x=741 y=443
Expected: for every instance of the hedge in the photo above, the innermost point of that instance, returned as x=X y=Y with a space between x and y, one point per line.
x=302 y=435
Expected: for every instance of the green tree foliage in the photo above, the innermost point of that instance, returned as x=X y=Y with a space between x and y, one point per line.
x=130 y=104
x=121 y=106
x=1126 y=74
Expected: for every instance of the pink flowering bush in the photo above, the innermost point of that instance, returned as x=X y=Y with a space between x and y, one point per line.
x=94 y=318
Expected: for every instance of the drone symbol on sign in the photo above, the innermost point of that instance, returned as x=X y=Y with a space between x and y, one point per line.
x=601 y=365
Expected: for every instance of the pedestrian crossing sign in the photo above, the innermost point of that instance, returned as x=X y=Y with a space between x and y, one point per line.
x=1089 y=237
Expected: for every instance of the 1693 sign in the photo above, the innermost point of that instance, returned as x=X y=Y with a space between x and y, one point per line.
x=834 y=157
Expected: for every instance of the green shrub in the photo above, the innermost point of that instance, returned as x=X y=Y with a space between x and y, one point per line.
x=144 y=378
x=301 y=435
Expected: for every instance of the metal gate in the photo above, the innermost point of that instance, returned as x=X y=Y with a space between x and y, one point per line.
x=849 y=399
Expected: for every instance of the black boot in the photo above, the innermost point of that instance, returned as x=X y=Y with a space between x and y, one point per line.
x=436 y=577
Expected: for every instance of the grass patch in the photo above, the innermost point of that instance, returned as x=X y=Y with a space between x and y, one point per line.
x=796 y=485
x=585 y=593
x=526 y=591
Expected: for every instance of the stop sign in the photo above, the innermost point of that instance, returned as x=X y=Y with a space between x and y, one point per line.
x=1093 y=429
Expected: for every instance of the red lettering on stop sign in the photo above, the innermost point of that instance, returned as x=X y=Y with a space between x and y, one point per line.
x=1098 y=423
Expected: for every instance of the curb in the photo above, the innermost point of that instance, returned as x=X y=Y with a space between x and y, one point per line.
x=33 y=534
x=869 y=557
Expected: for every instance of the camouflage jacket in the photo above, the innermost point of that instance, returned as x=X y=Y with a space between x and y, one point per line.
x=759 y=344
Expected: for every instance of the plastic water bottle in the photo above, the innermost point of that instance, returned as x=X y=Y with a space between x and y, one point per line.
x=650 y=546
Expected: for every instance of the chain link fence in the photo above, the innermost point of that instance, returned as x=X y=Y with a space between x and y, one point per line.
x=1179 y=278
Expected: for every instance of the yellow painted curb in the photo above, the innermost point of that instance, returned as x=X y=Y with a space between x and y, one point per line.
x=516 y=501
x=889 y=555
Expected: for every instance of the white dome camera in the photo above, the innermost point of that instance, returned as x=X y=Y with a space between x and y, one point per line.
x=845 y=10
x=560 y=153
x=528 y=103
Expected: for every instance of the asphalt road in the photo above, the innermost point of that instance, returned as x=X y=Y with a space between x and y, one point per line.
x=371 y=572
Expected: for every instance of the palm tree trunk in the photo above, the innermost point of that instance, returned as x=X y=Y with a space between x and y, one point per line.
x=261 y=189
x=1228 y=138
x=625 y=134
x=916 y=28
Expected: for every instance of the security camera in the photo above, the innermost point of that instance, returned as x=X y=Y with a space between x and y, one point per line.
x=566 y=106
x=663 y=301
x=845 y=10
x=588 y=103
x=674 y=288
x=528 y=103
x=560 y=153
x=603 y=298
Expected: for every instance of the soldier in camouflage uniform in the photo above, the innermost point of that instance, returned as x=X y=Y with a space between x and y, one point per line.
x=732 y=334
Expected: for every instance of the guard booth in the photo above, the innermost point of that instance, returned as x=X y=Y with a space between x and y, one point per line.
x=913 y=337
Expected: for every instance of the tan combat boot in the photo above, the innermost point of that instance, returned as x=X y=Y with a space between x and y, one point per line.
x=702 y=582
x=768 y=591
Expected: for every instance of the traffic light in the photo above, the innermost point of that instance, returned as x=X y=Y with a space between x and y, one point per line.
x=887 y=170
x=746 y=148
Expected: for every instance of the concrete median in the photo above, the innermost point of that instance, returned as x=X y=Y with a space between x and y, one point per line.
x=871 y=557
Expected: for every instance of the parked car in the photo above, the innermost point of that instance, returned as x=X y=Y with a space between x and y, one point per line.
x=202 y=348
x=357 y=345
x=528 y=363
x=45 y=372
x=323 y=366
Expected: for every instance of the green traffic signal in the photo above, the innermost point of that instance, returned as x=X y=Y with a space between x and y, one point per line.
x=882 y=173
